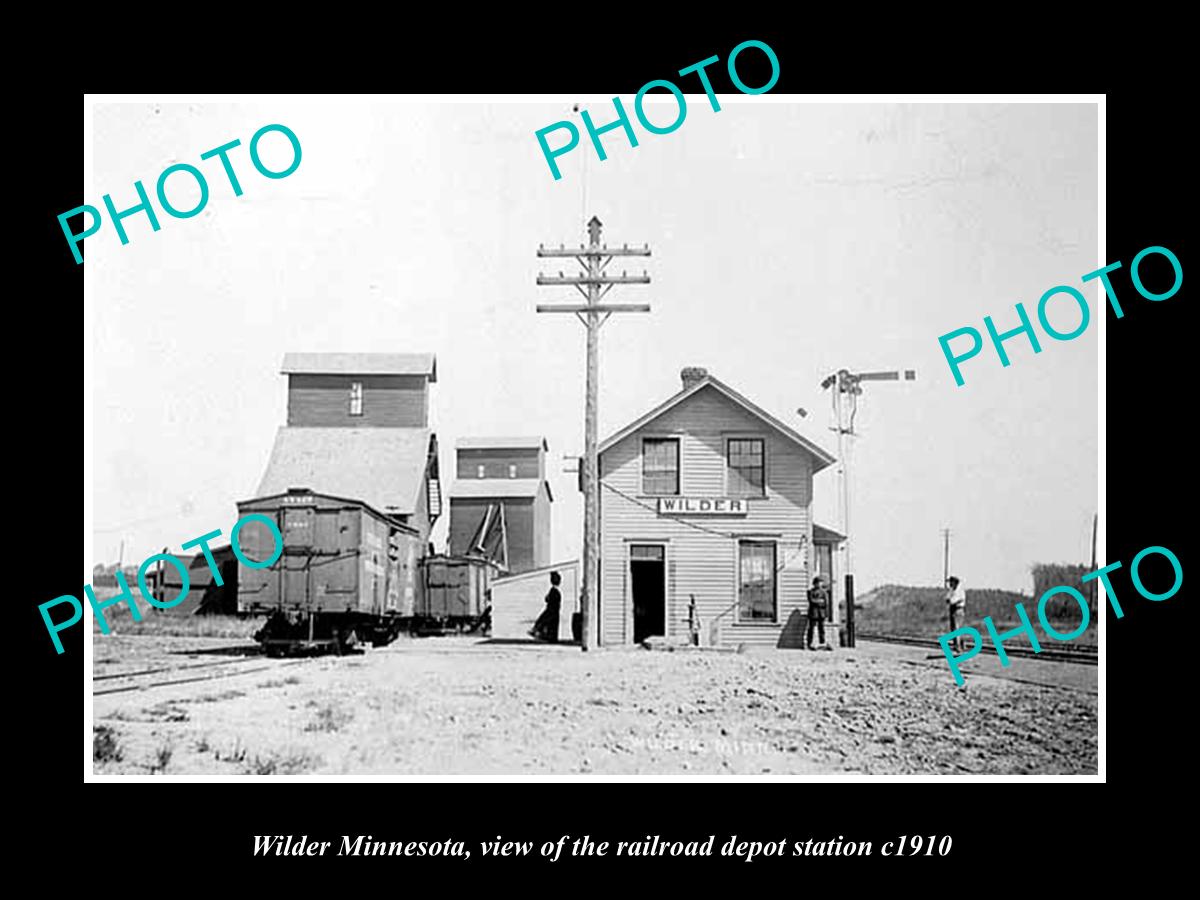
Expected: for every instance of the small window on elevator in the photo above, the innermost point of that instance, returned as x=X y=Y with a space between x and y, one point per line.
x=356 y=398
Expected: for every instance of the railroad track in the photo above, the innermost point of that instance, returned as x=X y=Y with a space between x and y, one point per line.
x=145 y=679
x=1086 y=653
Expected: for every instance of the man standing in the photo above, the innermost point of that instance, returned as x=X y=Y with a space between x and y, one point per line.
x=956 y=601
x=818 y=604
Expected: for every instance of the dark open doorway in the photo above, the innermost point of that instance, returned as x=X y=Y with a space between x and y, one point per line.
x=647 y=579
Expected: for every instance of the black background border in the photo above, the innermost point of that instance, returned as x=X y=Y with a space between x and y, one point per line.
x=999 y=827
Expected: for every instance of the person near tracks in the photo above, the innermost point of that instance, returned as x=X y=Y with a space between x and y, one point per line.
x=818 y=606
x=956 y=604
x=546 y=626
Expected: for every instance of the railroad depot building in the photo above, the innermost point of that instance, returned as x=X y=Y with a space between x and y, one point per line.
x=708 y=498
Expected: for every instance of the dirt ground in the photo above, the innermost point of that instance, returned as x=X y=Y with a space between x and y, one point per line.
x=456 y=706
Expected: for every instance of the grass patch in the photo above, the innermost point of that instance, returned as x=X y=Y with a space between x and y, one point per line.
x=237 y=754
x=329 y=718
x=163 y=623
x=162 y=758
x=166 y=712
x=278 y=682
x=105 y=746
x=280 y=764
x=216 y=698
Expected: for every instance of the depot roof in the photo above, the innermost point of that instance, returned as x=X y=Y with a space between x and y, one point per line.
x=709 y=382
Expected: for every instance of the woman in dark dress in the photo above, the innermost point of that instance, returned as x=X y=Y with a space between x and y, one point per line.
x=546 y=626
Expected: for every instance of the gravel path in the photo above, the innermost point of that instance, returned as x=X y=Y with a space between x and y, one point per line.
x=457 y=707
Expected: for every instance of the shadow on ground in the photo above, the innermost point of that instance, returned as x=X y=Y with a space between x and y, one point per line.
x=232 y=650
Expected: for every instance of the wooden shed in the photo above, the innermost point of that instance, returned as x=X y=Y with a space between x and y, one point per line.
x=517 y=600
x=204 y=596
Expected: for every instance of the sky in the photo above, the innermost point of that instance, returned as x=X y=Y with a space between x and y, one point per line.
x=789 y=240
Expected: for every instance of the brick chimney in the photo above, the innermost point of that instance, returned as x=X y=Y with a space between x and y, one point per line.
x=691 y=375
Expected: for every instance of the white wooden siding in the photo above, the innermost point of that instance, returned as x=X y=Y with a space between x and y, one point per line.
x=701 y=563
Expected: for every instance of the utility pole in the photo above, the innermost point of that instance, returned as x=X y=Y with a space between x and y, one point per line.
x=945 y=555
x=850 y=384
x=1092 y=584
x=594 y=259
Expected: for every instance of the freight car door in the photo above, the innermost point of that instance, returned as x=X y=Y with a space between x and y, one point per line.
x=333 y=580
x=299 y=524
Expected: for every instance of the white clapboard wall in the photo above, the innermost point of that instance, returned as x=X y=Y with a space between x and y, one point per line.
x=517 y=600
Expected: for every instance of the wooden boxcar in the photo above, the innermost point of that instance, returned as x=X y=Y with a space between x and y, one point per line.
x=346 y=573
x=455 y=595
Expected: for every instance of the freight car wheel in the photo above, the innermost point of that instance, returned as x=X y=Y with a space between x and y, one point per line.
x=345 y=639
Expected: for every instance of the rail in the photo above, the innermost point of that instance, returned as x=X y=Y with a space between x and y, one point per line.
x=1086 y=654
x=176 y=675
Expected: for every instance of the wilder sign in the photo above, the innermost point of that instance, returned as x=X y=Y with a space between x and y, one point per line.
x=701 y=506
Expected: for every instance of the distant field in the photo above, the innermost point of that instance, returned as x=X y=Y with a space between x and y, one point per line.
x=171 y=624
x=898 y=609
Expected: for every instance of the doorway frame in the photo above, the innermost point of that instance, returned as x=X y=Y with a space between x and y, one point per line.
x=834 y=591
x=630 y=543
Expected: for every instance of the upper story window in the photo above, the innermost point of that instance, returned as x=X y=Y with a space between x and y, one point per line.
x=512 y=470
x=481 y=471
x=356 y=398
x=660 y=465
x=747 y=467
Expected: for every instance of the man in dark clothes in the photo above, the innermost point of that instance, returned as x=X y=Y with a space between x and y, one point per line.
x=818 y=604
x=956 y=605
x=546 y=626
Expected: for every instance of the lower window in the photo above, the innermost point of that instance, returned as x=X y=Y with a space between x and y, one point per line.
x=756 y=581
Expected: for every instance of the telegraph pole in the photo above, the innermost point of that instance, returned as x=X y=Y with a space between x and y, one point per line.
x=945 y=555
x=593 y=259
x=850 y=384
x=1092 y=584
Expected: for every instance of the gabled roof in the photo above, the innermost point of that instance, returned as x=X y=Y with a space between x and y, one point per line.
x=383 y=467
x=502 y=443
x=360 y=364
x=824 y=458
x=497 y=488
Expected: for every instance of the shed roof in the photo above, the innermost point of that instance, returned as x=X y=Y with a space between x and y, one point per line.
x=543 y=572
x=360 y=364
x=502 y=443
x=384 y=467
x=495 y=488
x=823 y=535
x=823 y=457
x=199 y=571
